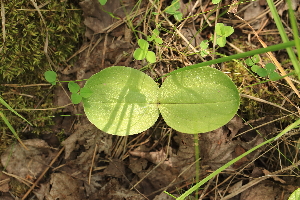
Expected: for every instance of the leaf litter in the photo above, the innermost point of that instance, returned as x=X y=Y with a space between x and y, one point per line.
x=152 y=165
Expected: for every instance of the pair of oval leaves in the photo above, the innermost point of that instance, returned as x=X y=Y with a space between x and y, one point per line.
x=126 y=101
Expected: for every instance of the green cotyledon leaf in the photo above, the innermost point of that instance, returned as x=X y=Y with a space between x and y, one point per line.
x=198 y=100
x=123 y=101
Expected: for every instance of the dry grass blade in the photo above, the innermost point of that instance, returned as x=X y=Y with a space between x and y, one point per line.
x=3 y=23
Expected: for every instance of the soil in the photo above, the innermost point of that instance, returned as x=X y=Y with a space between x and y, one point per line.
x=76 y=160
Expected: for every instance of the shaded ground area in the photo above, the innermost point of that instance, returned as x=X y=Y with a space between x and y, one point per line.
x=75 y=160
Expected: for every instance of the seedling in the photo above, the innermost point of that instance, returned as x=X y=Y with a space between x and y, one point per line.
x=268 y=70
x=142 y=52
x=126 y=101
x=155 y=37
x=173 y=9
x=216 y=1
x=223 y=32
x=102 y=2
x=204 y=45
x=50 y=76
x=77 y=93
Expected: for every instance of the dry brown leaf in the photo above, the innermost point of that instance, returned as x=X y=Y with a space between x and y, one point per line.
x=65 y=187
x=88 y=135
x=266 y=190
x=235 y=187
x=28 y=163
x=4 y=183
x=252 y=12
x=114 y=190
x=116 y=168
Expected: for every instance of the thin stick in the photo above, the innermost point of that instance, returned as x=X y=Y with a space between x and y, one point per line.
x=93 y=160
x=42 y=175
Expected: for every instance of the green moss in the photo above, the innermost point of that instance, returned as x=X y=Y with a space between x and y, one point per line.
x=26 y=36
x=24 y=62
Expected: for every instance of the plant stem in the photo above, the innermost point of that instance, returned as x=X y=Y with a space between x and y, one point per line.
x=195 y=187
x=197 y=162
x=237 y=56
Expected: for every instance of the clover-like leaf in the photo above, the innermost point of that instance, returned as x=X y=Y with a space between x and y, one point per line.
x=255 y=58
x=76 y=98
x=150 y=56
x=143 y=44
x=274 y=76
x=175 y=5
x=249 y=62
x=139 y=54
x=198 y=100
x=102 y=2
x=223 y=30
x=270 y=67
x=178 y=15
x=50 y=76
x=124 y=101
x=73 y=87
x=221 y=41
x=262 y=72
x=158 y=40
x=216 y=1
x=254 y=68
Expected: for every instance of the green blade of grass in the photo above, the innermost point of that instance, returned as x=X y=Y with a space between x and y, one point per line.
x=284 y=37
x=237 y=56
x=293 y=22
x=12 y=110
x=195 y=187
x=12 y=129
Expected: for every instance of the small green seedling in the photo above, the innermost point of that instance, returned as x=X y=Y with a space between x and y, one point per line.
x=216 y=1
x=102 y=2
x=142 y=52
x=268 y=70
x=50 y=76
x=155 y=37
x=173 y=9
x=77 y=93
x=204 y=45
x=223 y=32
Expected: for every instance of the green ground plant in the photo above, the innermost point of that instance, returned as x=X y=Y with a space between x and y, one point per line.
x=143 y=52
x=173 y=9
x=135 y=100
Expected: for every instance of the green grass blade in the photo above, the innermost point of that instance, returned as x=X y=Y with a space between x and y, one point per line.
x=12 y=110
x=293 y=21
x=12 y=129
x=195 y=187
x=237 y=56
x=284 y=36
